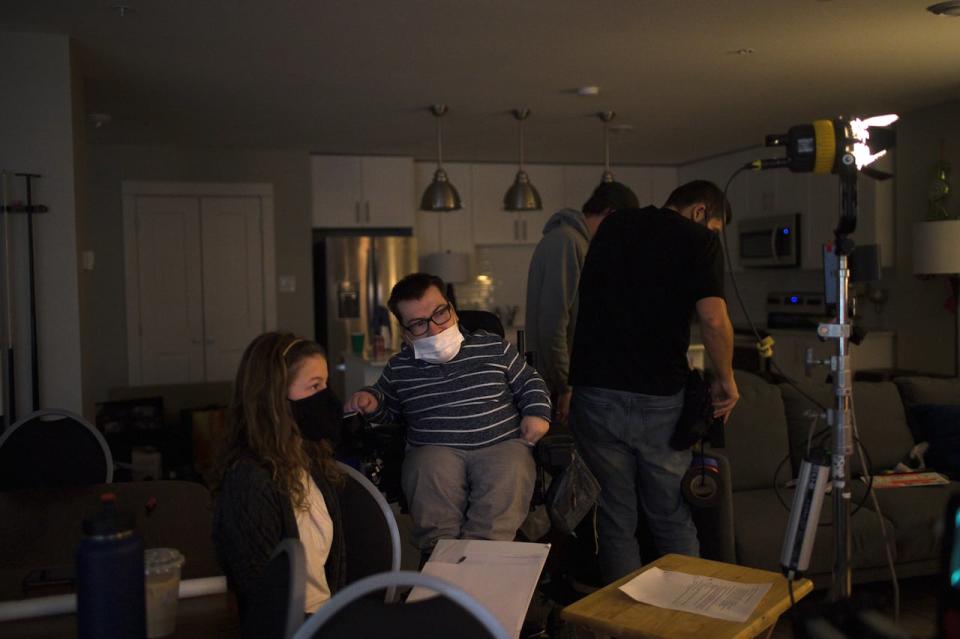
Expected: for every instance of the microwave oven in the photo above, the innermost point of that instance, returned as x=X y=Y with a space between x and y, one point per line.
x=770 y=242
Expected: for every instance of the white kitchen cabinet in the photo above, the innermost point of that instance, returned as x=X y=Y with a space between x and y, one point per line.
x=439 y=231
x=492 y=224
x=663 y=180
x=362 y=192
x=638 y=178
x=579 y=181
x=761 y=194
x=651 y=184
x=549 y=182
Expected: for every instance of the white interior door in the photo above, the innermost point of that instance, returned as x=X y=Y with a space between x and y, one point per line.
x=170 y=309
x=233 y=294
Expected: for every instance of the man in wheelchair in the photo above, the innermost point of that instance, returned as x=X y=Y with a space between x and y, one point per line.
x=473 y=409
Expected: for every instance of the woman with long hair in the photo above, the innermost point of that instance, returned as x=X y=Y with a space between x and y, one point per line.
x=276 y=476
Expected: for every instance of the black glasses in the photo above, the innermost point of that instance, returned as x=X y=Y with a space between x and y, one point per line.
x=420 y=327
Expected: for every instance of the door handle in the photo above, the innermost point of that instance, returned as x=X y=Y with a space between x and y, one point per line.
x=773 y=246
x=356 y=210
x=367 y=210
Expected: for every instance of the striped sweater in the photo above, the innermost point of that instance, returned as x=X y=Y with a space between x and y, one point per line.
x=474 y=400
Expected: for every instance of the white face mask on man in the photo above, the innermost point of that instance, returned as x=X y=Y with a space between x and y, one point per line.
x=439 y=348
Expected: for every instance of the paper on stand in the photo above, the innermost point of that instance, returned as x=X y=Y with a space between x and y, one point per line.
x=501 y=575
x=718 y=598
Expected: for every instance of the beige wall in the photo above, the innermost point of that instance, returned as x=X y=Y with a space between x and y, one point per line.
x=926 y=336
x=37 y=131
x=107 y=166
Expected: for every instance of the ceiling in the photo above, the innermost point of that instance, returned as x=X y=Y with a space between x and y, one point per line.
x=356 y=76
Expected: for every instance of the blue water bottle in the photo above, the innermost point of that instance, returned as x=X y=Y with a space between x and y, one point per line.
x=110 y=593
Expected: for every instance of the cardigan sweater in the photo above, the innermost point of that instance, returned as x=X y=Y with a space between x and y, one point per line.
x=251 y=517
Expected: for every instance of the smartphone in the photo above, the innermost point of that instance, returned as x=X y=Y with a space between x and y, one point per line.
x=60 y=576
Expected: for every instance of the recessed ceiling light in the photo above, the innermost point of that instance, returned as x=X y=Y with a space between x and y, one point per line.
x=588 y=91
x=948 y=8
x=99 y=120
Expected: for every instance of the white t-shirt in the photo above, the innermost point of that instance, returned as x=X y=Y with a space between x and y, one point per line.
x=316 y=535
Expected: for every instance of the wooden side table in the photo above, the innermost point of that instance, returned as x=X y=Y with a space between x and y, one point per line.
x=611 y=612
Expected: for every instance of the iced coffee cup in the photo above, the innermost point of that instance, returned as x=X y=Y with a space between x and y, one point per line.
x=162 y=583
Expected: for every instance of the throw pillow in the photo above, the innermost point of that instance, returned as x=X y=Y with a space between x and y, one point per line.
x=940 y=426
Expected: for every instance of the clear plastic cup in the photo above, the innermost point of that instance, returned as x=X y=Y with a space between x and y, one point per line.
x=162 y=583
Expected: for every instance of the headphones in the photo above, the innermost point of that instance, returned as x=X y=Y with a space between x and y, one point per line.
x=701 y=482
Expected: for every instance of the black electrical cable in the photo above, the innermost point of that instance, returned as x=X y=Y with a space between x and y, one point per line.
x=776 y=484
x=736 y=291
x=868 y=470
x=786 y=378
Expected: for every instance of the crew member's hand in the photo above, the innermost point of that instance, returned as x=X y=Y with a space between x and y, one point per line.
x=533 y=428
x=562 y=410
x=725 y=396
x=361 y=402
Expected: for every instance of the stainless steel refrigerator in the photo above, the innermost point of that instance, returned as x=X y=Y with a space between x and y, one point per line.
x=353 y=273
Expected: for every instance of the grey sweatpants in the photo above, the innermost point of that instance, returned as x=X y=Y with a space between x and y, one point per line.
x=468 y=494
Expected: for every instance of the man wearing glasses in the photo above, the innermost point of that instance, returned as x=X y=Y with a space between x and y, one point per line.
x=647 y=273
x=472 y=408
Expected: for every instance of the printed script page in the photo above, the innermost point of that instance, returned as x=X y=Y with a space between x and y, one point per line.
x=501 y=575
x=718 y=598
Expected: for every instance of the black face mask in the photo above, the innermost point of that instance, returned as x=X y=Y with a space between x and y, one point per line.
x=319 y=416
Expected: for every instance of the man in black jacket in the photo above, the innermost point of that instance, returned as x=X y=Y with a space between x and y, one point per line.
x=648 y=271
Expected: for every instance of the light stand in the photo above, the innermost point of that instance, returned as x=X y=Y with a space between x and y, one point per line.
x=840 y=417
x=832 y=146
x=811 y=485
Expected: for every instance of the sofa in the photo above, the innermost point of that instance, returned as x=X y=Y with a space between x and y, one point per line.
x=766 y=439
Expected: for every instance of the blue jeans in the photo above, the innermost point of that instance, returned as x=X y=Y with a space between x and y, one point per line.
x=624 y=439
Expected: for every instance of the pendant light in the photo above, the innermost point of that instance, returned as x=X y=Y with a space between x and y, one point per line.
x=441 y=195
x=606 y=116
x=522 y=196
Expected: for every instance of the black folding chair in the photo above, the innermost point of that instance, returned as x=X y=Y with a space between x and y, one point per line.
x=373 y=539
x=277 y=609
x=51 y=448
x=481 y=320
x=353 y=614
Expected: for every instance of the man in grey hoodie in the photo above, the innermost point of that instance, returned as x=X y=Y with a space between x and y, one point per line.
x=552 y=286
